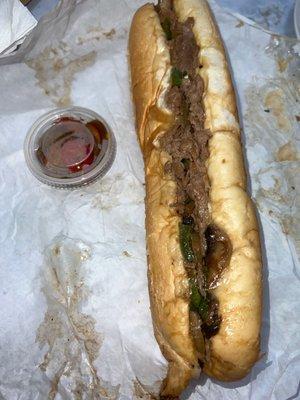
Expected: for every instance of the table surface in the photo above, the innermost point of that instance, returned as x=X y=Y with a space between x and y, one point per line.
x=275 y=15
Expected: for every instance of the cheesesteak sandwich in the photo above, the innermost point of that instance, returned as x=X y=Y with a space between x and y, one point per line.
x=204 y=261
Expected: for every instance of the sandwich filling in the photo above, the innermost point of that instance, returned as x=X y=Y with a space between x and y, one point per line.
x=205 y=248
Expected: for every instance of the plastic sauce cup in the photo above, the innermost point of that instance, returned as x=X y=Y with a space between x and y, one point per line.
x=69 y=147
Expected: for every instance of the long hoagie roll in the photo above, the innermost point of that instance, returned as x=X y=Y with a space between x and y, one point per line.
x=204 y=261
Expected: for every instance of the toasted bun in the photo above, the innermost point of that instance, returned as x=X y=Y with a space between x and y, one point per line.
x=168 y=285
x=235 y=348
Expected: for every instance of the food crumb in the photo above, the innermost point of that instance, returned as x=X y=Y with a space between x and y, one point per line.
x=110 y=33
x=126 y=254
x=239 y=24
x=282 y=64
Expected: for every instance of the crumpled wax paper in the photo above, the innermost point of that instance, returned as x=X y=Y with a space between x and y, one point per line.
x=15 y=23
x=274 y=15
x=75 y=320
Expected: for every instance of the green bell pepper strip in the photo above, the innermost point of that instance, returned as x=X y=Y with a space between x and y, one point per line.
x=198 y=302
x=176 y=77
x=185 y=239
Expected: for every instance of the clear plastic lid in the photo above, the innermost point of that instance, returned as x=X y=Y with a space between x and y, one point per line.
x=69 y=147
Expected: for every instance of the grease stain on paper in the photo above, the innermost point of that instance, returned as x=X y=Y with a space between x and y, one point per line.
x=116 y=190
x=69 y=335
x=271 y=110
x=283 y=51
x=271 y=123
x=287 y=152
x=278 y=195
x=94 y=33
x=274 y=102
x=55 y=68
x=270 y=15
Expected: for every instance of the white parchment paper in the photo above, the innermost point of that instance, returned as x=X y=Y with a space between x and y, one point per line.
x=75 y=320
x=15 y=22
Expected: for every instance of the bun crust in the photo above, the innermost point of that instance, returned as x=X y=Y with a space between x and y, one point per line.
x=168 y=284
x=235 y=348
